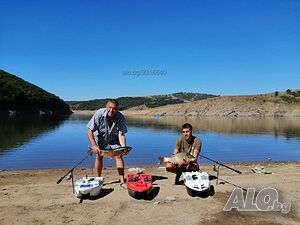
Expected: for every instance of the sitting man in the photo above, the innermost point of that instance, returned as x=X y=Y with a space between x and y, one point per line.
x=186 y=143
x=106 y=130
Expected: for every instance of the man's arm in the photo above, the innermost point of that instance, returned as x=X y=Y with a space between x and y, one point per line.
x=175 y=151
x=122 y=139
x=122 y=128
x=197 y=151
x=92 y=126
x=177 y=146
x=94 y=146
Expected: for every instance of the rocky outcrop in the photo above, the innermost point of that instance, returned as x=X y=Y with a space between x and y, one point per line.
x=229 y=106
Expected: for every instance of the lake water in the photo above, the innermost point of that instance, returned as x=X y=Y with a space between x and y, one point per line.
x=27 y=143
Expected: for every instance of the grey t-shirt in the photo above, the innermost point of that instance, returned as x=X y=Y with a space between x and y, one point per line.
x=105 y=135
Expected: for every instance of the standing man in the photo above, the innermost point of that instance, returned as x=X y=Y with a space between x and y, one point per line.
x=186 y=143
x=106 y=130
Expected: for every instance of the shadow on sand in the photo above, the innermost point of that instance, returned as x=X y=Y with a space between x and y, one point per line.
x=212 y=177
x=155 y=178
x=103 y=193
x=148 y=197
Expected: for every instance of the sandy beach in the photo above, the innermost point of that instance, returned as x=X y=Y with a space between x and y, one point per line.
x=33 y=197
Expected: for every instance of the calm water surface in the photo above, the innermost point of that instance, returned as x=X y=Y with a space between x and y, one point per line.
x=62 y=142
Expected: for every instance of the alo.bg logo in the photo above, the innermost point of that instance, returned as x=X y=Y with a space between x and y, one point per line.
x=265 y=200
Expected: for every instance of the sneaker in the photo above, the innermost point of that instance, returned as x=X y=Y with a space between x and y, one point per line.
x=122 y=186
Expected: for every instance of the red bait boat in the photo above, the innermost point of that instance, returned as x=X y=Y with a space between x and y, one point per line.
x=139 y=185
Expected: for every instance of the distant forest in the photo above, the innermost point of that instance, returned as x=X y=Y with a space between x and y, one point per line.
x=19 y=95
x=149 y=101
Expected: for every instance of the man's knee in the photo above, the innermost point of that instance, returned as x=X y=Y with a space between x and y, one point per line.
x=119 y=157
x=99 y=158
x=193 y=167
x=171 y=167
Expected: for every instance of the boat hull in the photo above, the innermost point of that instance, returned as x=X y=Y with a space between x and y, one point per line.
x=139 y=185
x=197 y=184
x=91 y=186
x=137 y=194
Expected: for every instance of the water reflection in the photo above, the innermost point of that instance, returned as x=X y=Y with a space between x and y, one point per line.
x=17 y=131
x=33 y=143
x=287 y=127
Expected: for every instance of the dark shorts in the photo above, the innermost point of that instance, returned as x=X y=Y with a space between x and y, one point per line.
x=114 y=146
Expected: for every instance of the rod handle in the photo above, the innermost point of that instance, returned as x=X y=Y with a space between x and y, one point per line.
x=60 y=180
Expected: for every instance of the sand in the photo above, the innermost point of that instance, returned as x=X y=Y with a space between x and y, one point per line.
x=33 y=197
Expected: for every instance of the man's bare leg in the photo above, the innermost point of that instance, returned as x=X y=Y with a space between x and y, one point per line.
x=98 y=165
x=120 y=168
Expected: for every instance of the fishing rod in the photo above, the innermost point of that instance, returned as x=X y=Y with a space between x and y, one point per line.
x=89 y=152
x=221 y=164
x=225 y=181
x=71 y=170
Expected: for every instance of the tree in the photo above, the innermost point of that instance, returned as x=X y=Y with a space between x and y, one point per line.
x=276 y=93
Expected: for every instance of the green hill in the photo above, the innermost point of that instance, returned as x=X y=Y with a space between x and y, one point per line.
x=146 y=102
x=20 y=96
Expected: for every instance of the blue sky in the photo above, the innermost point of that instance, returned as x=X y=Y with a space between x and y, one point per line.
x=78 y=50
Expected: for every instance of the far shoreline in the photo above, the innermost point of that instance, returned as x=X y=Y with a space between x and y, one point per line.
x=147 y=113
x=206 y=164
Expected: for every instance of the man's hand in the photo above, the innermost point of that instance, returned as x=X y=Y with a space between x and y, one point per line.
x=172 y=164
x=125 y=152
x=95 y=149
x=185 y=162
x=100 y=153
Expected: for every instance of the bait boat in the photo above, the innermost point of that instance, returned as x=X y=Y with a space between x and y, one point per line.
x=139 y=185
x=88 y=185
x=197 y=183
